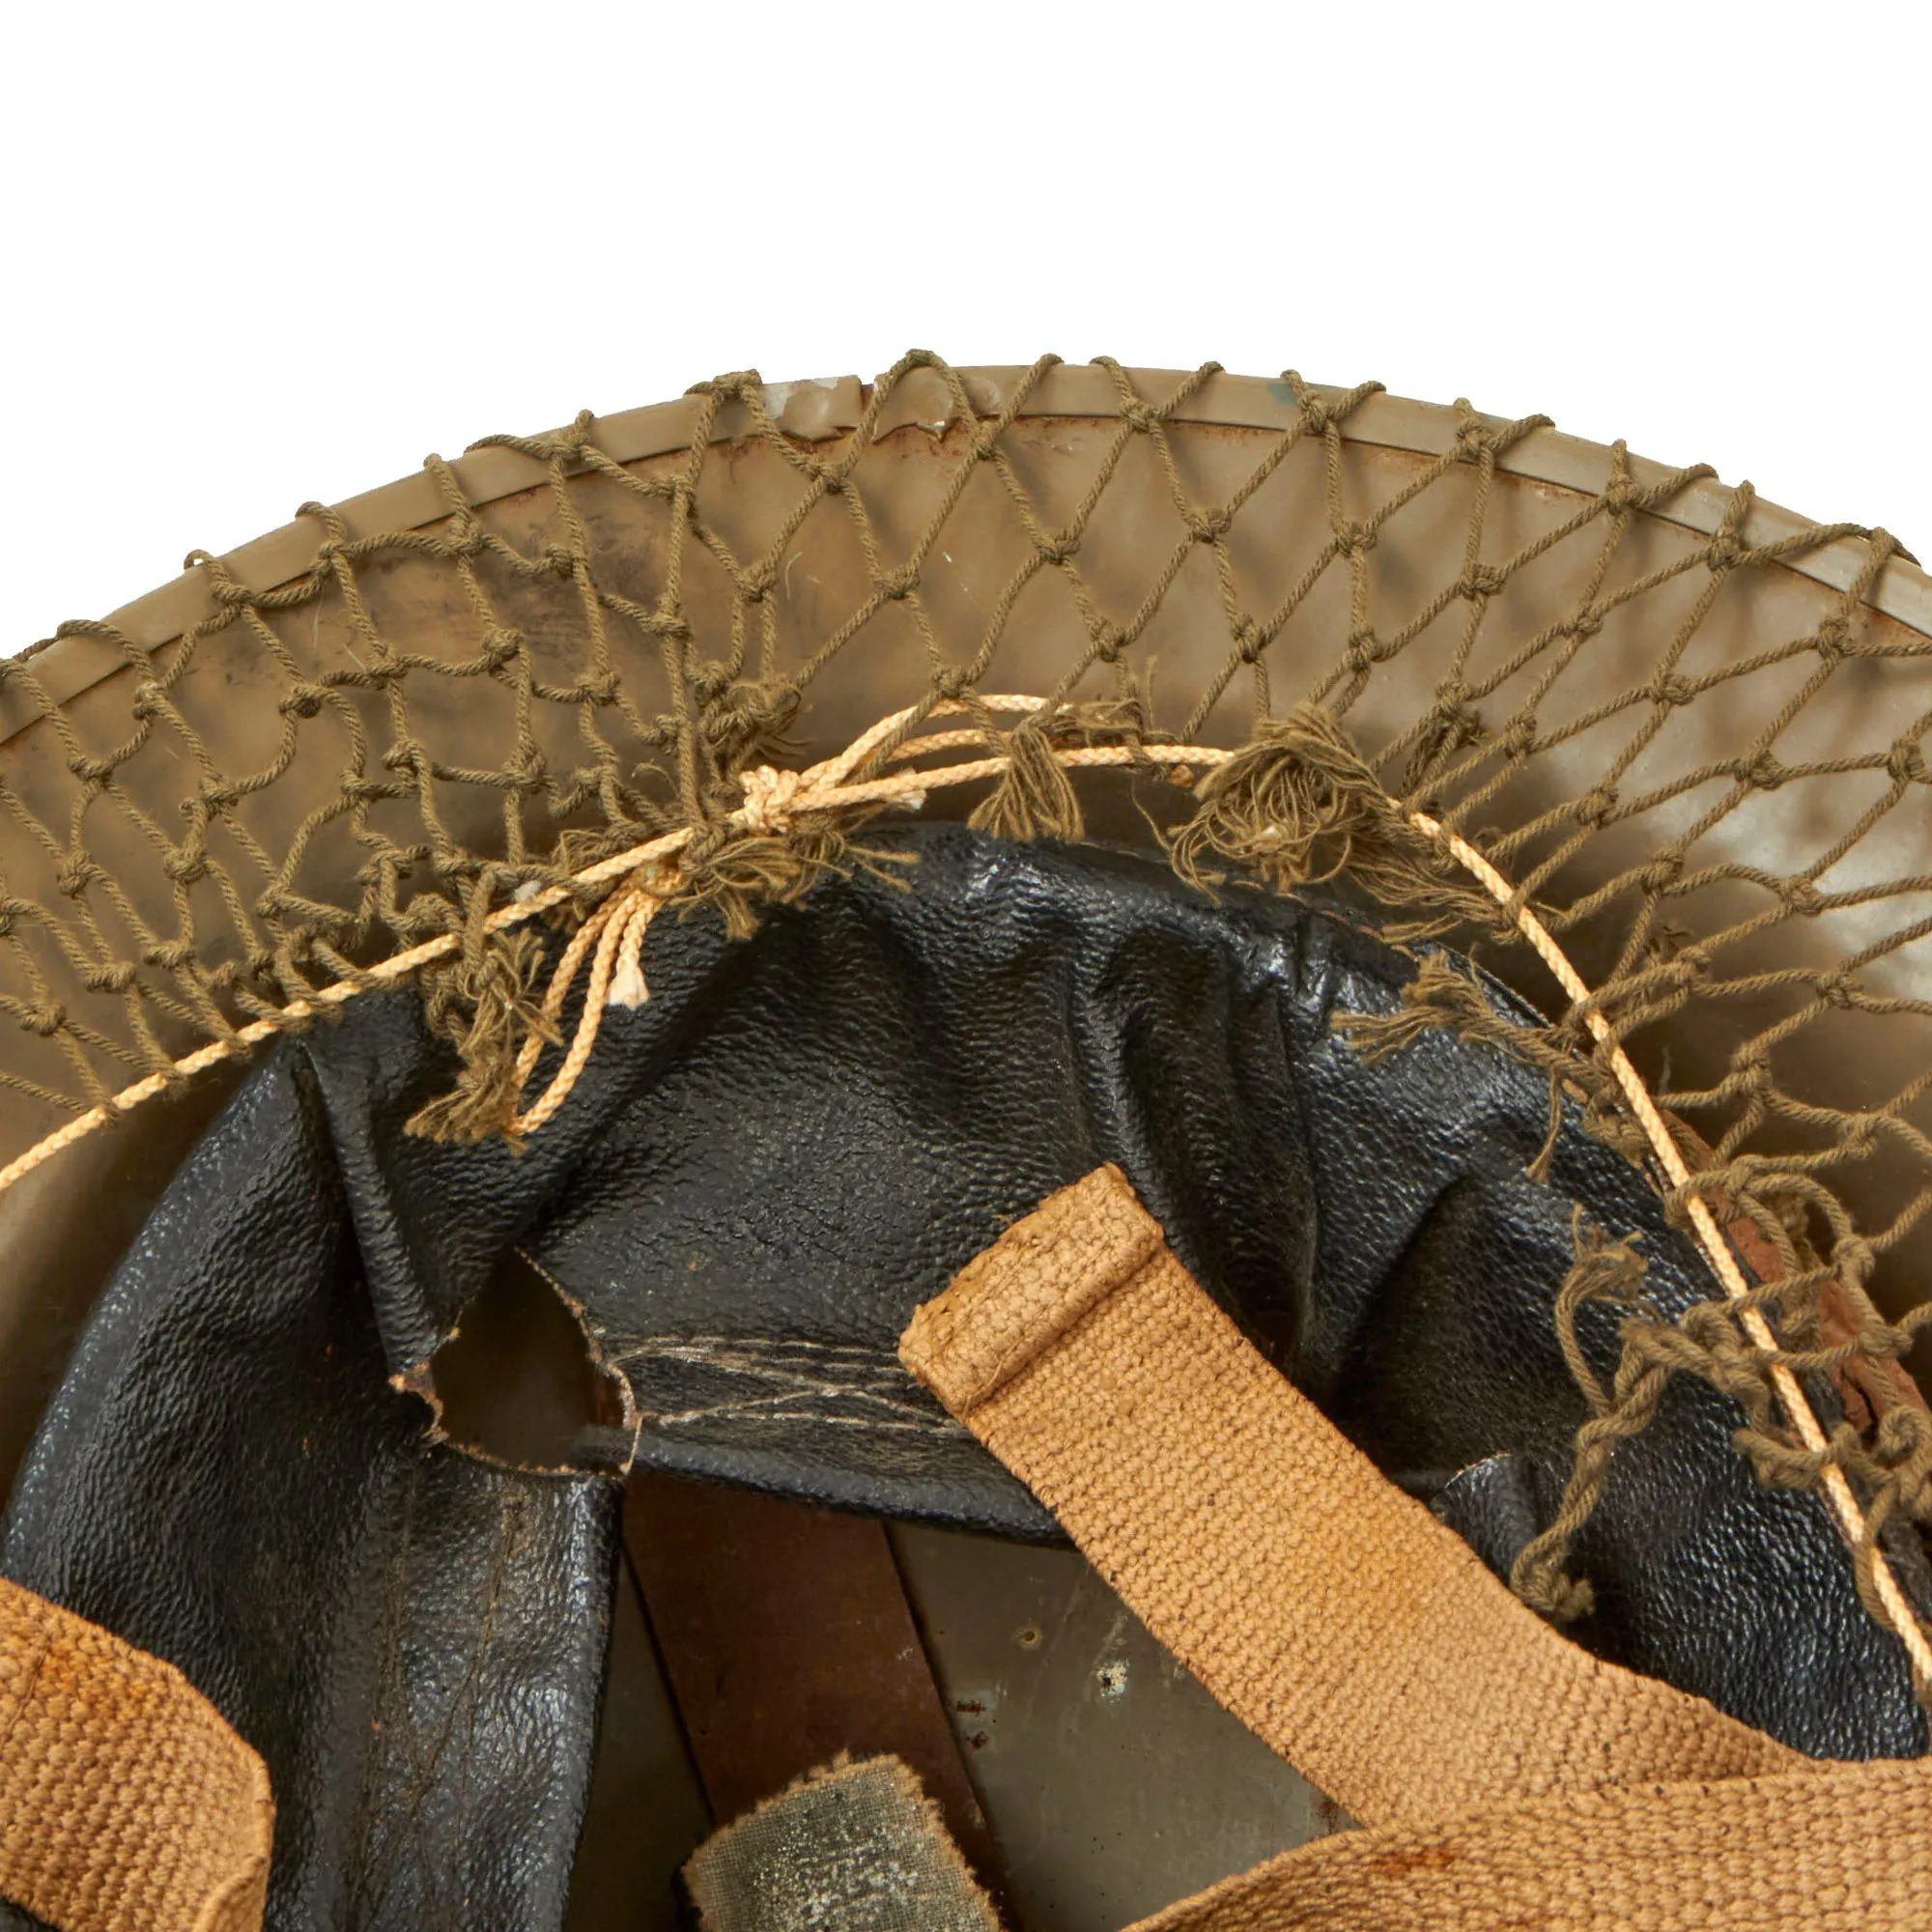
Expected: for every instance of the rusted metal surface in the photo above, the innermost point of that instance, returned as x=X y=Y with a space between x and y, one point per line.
x=786 y=1638
x=1114 y=1782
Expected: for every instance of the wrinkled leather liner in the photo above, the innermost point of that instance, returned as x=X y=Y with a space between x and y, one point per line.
x=413 y=1640
x=762 y=1172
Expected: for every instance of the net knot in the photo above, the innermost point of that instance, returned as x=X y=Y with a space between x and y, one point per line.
x=1517 y=740
x=1480 y=580
x=1248 y=640
x=407 y=755
x=184 y=869
x=1208 y=526
x=568 y=445
x=304 y=700
x=1853 y=1258
x=463 y=536
x=1583 y=626
x=1139 y=415
x=1840 y=990
x=1761 y=770
x=89 y=770
x=598 y=689
x=528 y=772
x=1905 y=764
x=501 y=647
x=224 y=589
x=1108 y=638
x=1057 y=546
x=1596 y=805
x=667 y=622
x=1316 y=416
x=1621 y=495
x=1673 y=687
x=1473 y=440
x=1833 y=640
x=900 y=582
x=1452 y=725
x=75 y=877
x=1903 y=1450
x=769 y=799
x=1354 y=539
x=1725 y=551
x=44 y=1017
x=1801 y=895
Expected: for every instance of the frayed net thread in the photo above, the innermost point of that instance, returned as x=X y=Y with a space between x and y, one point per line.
x=1893 y=1469
x=1298 y=806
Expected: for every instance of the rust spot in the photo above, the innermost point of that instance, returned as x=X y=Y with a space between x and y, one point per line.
x=971 y=1707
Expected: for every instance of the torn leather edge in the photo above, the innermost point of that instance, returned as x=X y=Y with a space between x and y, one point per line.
x=605 y=1448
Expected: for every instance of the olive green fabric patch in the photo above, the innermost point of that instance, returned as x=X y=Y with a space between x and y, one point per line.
x=854 y=1847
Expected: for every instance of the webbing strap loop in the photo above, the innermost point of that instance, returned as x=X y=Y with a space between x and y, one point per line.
x=127 y=1802
x=1513 y=1778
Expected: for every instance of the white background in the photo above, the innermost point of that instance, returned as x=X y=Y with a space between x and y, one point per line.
x=261 y=253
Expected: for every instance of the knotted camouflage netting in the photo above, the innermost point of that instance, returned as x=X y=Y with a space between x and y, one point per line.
x=1650 y=752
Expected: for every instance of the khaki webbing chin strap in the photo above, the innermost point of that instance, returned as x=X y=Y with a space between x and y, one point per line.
x=127 y=1802
x=1507 y=1776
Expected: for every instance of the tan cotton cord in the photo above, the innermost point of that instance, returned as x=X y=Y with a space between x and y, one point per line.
x=774 y=799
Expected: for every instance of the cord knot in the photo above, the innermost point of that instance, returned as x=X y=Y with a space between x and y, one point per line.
x=769 y=799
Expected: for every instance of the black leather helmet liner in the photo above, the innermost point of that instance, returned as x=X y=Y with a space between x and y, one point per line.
x=763 y=1169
